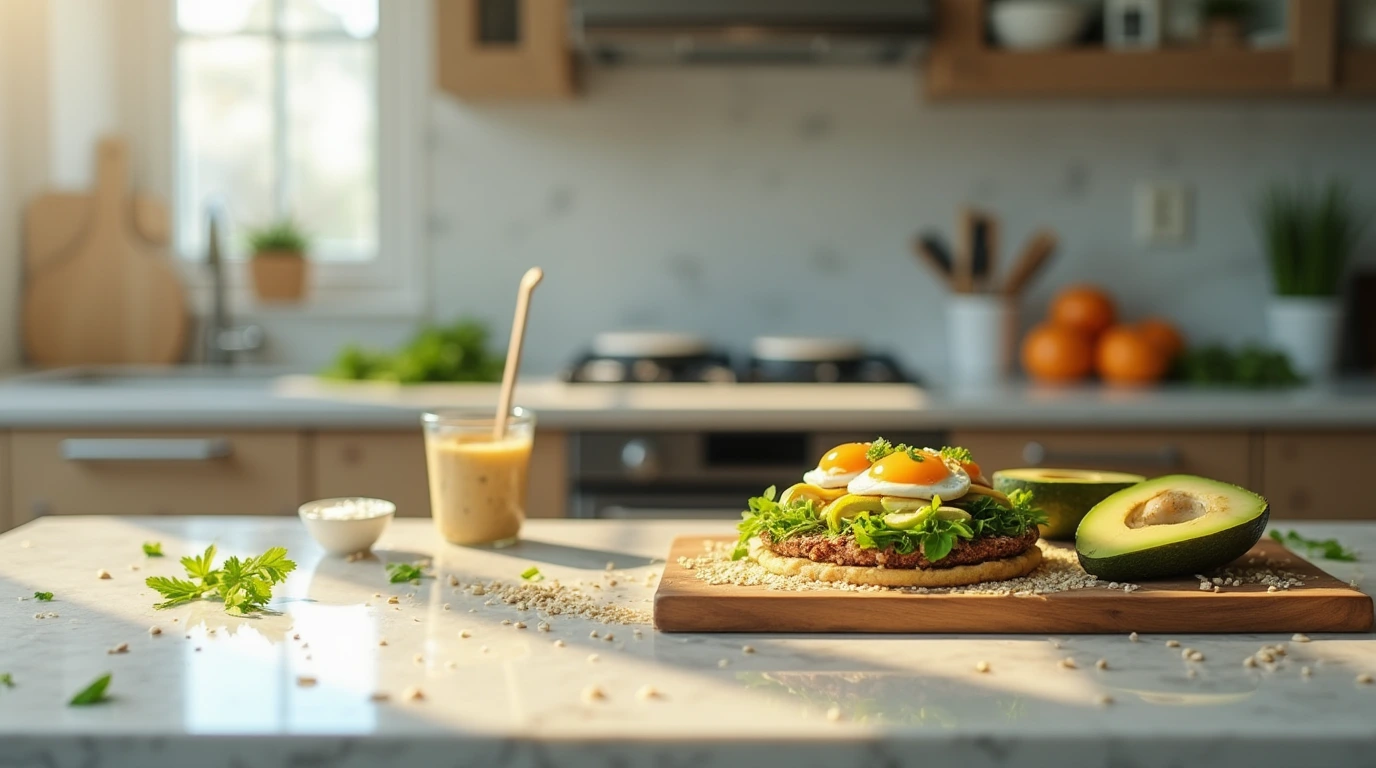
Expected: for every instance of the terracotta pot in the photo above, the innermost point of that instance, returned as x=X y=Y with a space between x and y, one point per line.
x=279 y=275
x=1224 y=32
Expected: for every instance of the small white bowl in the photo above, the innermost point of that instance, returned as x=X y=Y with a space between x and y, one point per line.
x=1033 y=25
x=347 y=525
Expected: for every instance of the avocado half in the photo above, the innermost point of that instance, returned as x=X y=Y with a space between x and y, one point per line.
x=1065 y=495
x=1170 y=526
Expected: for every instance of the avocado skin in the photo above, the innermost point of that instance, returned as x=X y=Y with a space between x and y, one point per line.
x=1065 y=503
x=1180 y=558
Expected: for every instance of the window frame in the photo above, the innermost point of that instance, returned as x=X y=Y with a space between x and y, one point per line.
x=392 y=282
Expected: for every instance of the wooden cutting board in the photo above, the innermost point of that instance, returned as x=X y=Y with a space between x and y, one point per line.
x=101 y=291
x=683 y=603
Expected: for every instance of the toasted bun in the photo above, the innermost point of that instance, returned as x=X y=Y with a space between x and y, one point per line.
x=958 y=576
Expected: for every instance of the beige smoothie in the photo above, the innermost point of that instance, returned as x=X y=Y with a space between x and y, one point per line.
x=478 y=485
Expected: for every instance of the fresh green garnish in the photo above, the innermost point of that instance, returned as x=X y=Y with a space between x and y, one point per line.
x=934 y=536
x=245 y=585
x=1328 y=549
x=879 y=449
x=957 y=454
x=45 y=597
x=456 y=352
x=401 y=573
x=6 y=679
x=532 y=574
x=152 y=548
x=1251 y=366
x=93 y=693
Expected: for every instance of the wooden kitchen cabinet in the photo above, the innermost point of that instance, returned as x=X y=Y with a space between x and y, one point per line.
x=1221 y=455
x=210 y=472
x=391 y=465
x=504 y=49
x=1318 y=475
x=6 y=518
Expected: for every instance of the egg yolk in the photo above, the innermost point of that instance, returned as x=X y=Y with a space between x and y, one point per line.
x=971 y=468
x=846 y=458
x=900 y=468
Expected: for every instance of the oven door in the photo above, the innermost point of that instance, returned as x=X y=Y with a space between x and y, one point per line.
x=701 y=505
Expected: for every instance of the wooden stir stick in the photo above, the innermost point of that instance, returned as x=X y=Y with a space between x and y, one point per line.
x=513 y=350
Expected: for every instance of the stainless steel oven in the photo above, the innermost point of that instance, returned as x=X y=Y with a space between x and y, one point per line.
x=695 y=474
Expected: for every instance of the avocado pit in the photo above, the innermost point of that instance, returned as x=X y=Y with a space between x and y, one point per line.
x=1170 y=507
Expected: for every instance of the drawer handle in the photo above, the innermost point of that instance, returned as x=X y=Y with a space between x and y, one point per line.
x=145 y=449
x=1038 y=455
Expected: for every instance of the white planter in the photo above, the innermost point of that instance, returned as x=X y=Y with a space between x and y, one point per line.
x=1306 y=329
x=979 y=338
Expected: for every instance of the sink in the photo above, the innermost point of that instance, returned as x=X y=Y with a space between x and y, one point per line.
x=153 y=377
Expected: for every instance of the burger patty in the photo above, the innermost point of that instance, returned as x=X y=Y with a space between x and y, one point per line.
x=842 y=550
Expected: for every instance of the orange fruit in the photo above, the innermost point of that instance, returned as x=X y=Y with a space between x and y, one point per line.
x=1165 y=336
x=1057 y=354
x=1086 y=307
x=1127 y=356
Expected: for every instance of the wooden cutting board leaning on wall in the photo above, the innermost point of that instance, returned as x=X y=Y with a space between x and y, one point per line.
x=100 y=287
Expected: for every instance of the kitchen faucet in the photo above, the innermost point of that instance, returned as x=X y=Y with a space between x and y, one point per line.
x=222 y=340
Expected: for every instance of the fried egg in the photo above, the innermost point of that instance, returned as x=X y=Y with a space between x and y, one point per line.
x=924 y=477
x=839 y=466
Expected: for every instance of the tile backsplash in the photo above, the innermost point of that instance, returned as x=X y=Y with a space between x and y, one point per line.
x=740 y=202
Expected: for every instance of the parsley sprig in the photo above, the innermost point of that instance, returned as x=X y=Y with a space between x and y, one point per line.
x=957 y=454
x=881 y=448
x=152 y=548
x=244 y=585
x=934 y=537
x=45 y=597
x=400 y=573
x=6 y=679
x=1328 y=549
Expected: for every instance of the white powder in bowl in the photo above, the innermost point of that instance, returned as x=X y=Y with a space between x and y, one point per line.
x=348 y=509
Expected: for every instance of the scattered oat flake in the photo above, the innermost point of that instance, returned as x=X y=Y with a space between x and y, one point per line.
x=747 y=649
x=1172 y=643
x=1104 y=700
x=519 y=625
x=593 y=693
x=121 y=648
x=542 y=626
x=592 y=657
x=834 y=714
x=155 y=630
x=446 y=606
x=413 y=694
x=1068 y=663
x=558 y=643
x=1306 y=671
x=1101 y=664
x=982 y=667
x=648 y=692
x=1365 y=678
x=380 y=696
x=393 y=600
x=102 y=574
x=723 y=663
x=1299 y=638
x=1134 y=638
x=305 y=681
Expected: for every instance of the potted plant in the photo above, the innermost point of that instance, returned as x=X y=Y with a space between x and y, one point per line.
x=1310 y=233
x=279 y=262
x=1225 y=21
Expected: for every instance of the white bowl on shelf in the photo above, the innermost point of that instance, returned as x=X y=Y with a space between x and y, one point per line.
x=1036 y=25
x=346 y=525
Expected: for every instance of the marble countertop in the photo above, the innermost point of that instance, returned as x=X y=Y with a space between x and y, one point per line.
x=228 y=695
x=305 y=402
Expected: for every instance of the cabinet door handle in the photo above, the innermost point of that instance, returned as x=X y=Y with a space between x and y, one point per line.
x=145 y=449
x=1038 y=455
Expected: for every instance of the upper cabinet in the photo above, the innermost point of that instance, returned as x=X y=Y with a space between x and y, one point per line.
x=965 y=63
x=504 y=49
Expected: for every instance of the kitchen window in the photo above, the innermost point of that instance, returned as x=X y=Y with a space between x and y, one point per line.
x=308 y=109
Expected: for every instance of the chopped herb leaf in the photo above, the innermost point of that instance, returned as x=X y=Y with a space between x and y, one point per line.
x=916 y=454
x=93 y=693
x=401 y=573
x=6 y=679
x=43 y=596
x=245 y=586
x=879 y=449
x=957 y=454
x=1328 y=549
x=152 y=548
x=532 y=574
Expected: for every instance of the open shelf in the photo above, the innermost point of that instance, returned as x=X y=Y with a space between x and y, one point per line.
x=962 y=64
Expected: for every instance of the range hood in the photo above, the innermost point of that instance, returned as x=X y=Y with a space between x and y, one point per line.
x=751 y=31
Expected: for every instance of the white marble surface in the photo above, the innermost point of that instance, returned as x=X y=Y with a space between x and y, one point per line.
x=903 y=700
x=306 y=402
